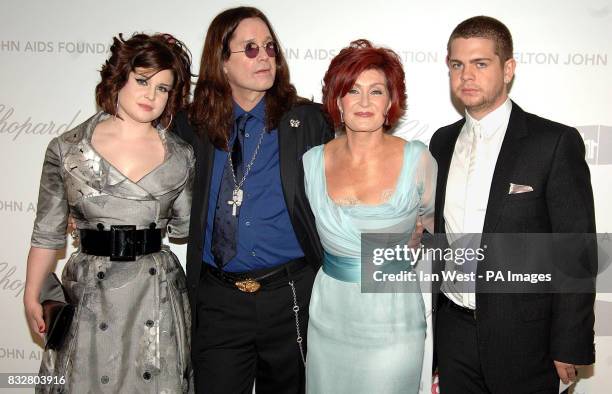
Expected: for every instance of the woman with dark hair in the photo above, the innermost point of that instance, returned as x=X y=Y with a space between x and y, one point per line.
x=126 y=181
x=365 y=181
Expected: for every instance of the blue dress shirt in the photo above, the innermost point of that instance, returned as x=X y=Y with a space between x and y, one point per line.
x=265 y=234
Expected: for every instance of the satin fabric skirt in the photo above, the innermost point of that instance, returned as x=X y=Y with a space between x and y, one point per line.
x=363 y=342
x=130 y=332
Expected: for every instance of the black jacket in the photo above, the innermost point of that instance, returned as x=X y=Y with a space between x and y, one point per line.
x=300 y=129
x=520 y=335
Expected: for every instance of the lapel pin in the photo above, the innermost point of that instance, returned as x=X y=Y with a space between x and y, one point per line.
x=294 y=123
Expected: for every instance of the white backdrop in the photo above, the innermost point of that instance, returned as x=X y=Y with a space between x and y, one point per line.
x=51 y=53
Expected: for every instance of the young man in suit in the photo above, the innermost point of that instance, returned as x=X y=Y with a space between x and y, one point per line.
x=506 y=343
x=253 y=250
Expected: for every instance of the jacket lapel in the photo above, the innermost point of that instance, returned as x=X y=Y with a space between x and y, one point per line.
x=444 y=160
x=206 y=155
x=287 y=151
x=504 y=168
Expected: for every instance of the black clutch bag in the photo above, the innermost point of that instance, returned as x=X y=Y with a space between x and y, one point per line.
x=57 y=312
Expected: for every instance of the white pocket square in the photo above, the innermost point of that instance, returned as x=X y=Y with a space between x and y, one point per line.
x=516 y=189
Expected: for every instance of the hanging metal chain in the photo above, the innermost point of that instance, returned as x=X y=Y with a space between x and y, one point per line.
x=247 y=169
x=296 y=310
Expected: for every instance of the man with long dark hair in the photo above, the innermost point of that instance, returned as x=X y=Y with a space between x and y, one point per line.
x=253 y=249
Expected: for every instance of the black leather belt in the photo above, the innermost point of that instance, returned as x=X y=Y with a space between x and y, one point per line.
x=250 y=282
x=121 y=243
x=445 y=300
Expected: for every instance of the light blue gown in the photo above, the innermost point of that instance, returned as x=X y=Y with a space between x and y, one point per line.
x=365 y=342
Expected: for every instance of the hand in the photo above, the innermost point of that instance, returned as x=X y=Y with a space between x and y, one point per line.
x=71 y=226
x=567 y=372
x=34 y=315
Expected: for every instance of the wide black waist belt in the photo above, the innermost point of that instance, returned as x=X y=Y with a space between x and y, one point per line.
x=121 y=243
x=250 y=282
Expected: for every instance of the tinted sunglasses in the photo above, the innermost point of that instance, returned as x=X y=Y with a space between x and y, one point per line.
x=251 y=50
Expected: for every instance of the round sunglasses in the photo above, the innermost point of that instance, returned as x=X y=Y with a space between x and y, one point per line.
x=251 y=50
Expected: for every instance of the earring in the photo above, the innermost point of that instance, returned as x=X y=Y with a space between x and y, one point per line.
x=386 y=120
x=168 y=125
x=116 y=108
x=341 y=117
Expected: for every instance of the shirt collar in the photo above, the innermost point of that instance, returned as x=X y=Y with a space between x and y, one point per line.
x=492 y=122
x=259 y=111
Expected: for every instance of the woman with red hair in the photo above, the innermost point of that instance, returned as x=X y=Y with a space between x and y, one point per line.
x=366 y=181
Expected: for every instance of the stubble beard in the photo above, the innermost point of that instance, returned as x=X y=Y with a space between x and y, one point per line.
x=484 y=104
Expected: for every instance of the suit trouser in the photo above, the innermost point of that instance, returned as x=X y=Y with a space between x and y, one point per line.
x=456 y=339
x=458 y=360
x=241 y=338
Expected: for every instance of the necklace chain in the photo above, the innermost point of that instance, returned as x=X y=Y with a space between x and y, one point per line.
x=247 y=169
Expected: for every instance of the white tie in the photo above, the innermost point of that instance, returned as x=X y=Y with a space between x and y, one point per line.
x=471 y=177
x=472 y=184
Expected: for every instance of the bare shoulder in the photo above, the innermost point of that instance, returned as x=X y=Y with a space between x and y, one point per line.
x=335 y=143
x=394 y=146
x=394 y=141
x=331 y=150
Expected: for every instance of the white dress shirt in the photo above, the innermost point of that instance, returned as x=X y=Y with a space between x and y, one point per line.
x=469 y=182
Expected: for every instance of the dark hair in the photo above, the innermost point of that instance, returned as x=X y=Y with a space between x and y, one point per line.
x=346 y=67
x=212 y=108
x=157 y=52
x=485 y=27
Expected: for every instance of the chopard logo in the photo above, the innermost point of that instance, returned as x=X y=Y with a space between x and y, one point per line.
x=15 y=129
x=413 y=129
x=8 y=281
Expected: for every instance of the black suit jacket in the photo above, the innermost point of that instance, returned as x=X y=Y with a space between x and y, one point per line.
x=520 y=335
x=300 y=129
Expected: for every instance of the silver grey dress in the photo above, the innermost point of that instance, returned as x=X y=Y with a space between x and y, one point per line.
x=130 y=333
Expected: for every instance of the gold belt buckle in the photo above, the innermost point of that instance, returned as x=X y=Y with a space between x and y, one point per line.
x=248 y=285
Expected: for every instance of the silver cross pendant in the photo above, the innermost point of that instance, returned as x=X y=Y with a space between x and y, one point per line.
x=236 y=201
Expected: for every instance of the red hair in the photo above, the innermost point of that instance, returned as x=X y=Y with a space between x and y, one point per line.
x=346 y=67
